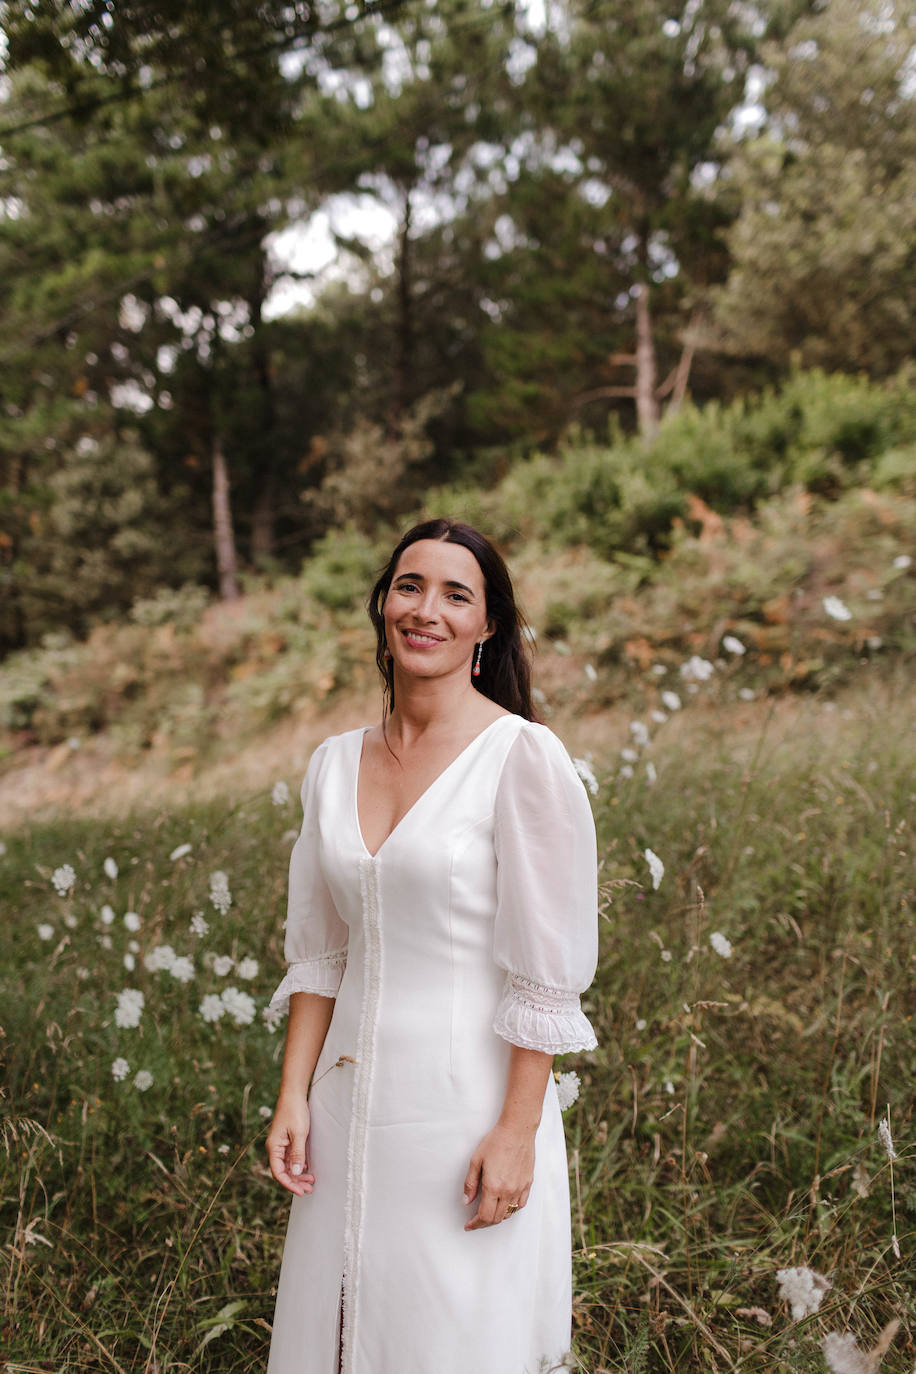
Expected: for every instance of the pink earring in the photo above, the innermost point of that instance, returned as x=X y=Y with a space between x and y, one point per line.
x=475 y=671
x=387 y=654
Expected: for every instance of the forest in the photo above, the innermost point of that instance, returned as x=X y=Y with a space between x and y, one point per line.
x=587 y=218
x=630 y=287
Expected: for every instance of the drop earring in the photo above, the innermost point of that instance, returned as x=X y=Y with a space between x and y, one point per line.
x=475 y=671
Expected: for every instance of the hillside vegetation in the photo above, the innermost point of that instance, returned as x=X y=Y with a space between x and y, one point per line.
x=731 y=666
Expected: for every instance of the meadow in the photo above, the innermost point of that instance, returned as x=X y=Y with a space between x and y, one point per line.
x=754 y=1009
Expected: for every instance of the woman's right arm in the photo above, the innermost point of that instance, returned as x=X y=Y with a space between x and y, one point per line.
x=287 y=1141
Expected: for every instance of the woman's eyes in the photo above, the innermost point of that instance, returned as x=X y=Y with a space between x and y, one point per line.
x=412 y=587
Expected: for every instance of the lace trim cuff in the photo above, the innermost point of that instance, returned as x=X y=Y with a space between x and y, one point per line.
x=311 y=975
x=537 y=1017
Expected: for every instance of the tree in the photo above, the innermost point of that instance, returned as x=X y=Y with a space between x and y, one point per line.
x=627 y=102
x=824 y=263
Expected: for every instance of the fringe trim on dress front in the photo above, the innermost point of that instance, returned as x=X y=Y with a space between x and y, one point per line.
x=359 y=1123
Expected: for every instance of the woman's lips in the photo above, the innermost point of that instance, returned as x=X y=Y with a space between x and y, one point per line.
x=417 y=639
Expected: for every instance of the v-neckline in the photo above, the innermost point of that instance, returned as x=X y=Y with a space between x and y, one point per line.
x=426 y=791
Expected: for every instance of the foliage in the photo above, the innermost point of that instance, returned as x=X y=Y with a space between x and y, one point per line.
x=727 y=1122
x=825 y=433
x=822 y=261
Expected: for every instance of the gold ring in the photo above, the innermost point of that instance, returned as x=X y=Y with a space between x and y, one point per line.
x=513 y=1207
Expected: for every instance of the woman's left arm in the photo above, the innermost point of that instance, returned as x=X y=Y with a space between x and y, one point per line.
x=502 y=1167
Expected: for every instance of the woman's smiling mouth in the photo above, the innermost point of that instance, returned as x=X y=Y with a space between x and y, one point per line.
x=417 y=639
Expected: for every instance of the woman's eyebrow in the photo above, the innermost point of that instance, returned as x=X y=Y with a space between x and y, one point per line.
x=418 y=577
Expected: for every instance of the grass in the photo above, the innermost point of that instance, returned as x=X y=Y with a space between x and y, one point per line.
x=726 y=1127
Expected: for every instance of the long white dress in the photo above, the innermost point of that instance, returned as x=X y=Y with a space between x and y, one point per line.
x=474 y=927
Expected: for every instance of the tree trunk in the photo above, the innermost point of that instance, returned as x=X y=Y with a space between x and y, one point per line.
x=646 y=398
x=223 y=536
x=405 y=313
x=264 y=513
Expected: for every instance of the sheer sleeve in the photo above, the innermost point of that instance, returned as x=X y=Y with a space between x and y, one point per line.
x=316 y=937
x=546 y=935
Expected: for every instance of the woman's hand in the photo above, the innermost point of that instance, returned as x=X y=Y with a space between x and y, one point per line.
x=500 y=1173
x=287 y=1145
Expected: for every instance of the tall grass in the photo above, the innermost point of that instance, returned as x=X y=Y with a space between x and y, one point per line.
x=726 y=1128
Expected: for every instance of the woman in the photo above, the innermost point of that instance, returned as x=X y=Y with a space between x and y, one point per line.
x=443 y=891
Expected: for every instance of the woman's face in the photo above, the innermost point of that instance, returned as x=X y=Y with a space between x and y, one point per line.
x=436 y=609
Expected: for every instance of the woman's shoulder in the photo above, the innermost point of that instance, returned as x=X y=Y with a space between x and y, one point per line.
x=333 y=747
x=536 y=744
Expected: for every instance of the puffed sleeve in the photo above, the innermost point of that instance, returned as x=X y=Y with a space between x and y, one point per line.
x=316 y=937
x=546 y=935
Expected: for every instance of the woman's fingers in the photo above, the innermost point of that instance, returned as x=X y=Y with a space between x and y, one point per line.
x=288 y=1160
x=472 y=1179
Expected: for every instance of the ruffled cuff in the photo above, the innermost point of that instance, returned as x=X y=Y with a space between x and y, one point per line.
x=311 y=975
x=536 y=1017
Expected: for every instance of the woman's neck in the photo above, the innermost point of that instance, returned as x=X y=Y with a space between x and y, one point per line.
x=435 y=706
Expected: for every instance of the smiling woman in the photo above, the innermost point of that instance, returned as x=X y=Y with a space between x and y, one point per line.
x=442 y=924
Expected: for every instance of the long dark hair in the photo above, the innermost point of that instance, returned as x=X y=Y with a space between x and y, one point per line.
x=505 y=669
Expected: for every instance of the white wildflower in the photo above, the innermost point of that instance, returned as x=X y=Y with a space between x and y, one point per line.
x=666 y=956
x=279 y=794
x=626 y=771
x=671 y=701
x=70 y=920
x=265 y=1113
x=200 y=926
x=143 y=1080
x=63 y=879
x=222 y=965
x=902 y=562
x=529 y=633
x=721 y=944
x=220 y=896
x=222 y=1149
x=884 y=1135
x=640 y=732
x=111 y=868
x=802 y=1289
x=567 y=1089
x=697 y=669
x=629 y=755
x=669 y=1087
x=239 y=1005
x=160 y=959
x=747 y=694
x=120 y=1069
x=733 y=645
x=211 y=1008
x=651 y=773
x=107 y=915
x=180 y=851
x=132 y=921
x=133 y=946
x=289 y=837
x=659 y=669
x=641 y=1024
x=590 y=672
x=659 y=717
x=130 y=962
x=105 y=941
x=538 y=696
x=247 y=968
x=45 y=931
x=874 y=594
x=129 y=1009
x=272 y=1016
x=182 y=969
x=82 y=974
x=656 y=868
x=583 y=768
x=836 y=609
x=843 y=1356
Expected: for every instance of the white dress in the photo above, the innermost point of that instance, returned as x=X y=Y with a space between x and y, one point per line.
x=472 y=928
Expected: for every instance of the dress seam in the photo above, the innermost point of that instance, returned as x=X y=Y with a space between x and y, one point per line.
x=362 y=1086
